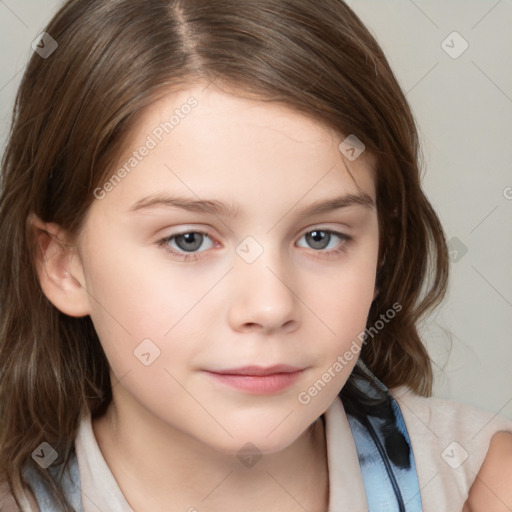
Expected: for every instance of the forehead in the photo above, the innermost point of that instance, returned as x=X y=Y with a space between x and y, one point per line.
x=202 y=141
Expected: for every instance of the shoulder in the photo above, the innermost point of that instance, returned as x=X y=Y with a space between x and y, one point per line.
x=501 y=446
x=448 y=417
x=8 y=503
x=492 y=488
x=449 y=440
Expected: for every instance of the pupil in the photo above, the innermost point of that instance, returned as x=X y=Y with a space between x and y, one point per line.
x=189 y=238
x=319 y=239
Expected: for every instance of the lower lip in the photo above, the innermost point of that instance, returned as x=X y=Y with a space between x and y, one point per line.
x=258 y=384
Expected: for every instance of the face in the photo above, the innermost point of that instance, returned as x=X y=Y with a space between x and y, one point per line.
x=226 y=244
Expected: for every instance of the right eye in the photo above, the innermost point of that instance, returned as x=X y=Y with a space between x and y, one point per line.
x=185 y=244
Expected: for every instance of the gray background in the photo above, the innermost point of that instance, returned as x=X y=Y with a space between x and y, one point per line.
x=463 y=107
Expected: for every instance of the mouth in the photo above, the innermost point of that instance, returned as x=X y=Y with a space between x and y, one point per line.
x=258 y=380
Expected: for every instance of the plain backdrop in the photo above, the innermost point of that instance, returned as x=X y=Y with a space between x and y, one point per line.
x=460 y=89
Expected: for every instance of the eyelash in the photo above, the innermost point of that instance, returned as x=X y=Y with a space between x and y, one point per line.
x=194 y=256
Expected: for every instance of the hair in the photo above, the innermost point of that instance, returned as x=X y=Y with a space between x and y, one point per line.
x=73 y=115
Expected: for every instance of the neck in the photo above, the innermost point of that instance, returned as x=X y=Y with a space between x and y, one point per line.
x=157 y=467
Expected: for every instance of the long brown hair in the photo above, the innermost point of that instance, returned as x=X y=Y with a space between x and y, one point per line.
x=73 y=114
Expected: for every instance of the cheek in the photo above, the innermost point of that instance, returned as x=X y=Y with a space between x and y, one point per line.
x=133 y=286
x=344 y=311
x=343 y=307
x=148 y=310
x=348 y=295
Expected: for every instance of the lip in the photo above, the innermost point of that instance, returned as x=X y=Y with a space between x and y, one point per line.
x=257 y=379
x=259 y=370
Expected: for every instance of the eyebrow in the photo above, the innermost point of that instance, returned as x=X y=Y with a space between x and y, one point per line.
x=215 y=207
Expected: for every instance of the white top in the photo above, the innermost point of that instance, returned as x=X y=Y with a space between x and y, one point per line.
x=449 y=442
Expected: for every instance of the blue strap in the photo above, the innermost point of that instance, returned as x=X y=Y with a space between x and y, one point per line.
x=384 y=449
x=69 y=482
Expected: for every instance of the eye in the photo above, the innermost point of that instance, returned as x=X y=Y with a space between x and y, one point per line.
x=186 y=244
x=321 y=239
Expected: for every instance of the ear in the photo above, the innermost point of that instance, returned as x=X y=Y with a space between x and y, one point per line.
x=59 y=269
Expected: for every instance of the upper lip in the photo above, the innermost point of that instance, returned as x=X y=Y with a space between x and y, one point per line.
x=259 y=370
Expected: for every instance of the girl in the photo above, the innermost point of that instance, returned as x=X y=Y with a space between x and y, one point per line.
x=273 y=365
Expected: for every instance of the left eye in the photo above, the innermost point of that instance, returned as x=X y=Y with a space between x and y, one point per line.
x=321 y=239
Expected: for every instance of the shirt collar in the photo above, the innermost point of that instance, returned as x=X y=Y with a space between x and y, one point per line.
x=346 y=489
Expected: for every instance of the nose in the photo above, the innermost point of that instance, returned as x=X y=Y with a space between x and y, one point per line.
x=263 y=297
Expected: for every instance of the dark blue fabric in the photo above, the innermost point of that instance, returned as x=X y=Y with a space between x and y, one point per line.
x=383 y=446
x=69 y=482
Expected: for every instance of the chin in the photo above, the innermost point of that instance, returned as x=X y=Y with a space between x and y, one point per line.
x=258 y=441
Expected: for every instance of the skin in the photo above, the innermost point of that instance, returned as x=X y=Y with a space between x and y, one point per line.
x=172 y=434
x=492 y=488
